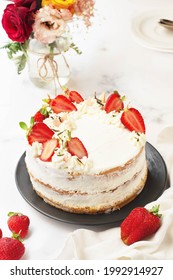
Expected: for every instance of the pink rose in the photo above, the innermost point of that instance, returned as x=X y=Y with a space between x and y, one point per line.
x=17 y=22
x=49 y=24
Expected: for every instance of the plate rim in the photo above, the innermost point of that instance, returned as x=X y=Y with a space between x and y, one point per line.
x=140 y=39
x=116 y=222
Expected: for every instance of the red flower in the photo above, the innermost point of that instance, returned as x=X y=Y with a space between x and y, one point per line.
x=30 y=4
x=17 y=22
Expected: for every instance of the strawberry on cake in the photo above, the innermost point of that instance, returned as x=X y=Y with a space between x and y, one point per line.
x=86 y=156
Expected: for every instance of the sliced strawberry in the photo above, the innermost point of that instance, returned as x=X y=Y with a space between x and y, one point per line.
x=74 y=96
x=62 y=104
x=40 y=132
x=133 y=120
x=114 y=103
x=48 y=149
x=39 y=117
x=76 y=148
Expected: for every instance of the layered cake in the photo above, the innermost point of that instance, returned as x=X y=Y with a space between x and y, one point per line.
x=86 y=156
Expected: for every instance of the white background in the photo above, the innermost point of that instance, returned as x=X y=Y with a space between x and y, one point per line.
x=112 y=59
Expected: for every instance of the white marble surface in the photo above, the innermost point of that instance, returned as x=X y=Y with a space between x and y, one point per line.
x=111 y=59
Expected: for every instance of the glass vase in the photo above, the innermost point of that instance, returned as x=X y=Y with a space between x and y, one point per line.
x=47 y=65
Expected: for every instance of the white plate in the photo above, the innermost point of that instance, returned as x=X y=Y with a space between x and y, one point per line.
x=149 y=33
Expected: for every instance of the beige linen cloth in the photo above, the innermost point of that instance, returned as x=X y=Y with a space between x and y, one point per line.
x=83 y=244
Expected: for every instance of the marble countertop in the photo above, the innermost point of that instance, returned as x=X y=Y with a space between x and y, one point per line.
x=111 y=59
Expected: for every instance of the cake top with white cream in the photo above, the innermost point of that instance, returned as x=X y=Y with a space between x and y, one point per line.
x=85 y=136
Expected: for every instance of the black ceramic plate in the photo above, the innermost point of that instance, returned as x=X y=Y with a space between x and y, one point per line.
x=157 y=182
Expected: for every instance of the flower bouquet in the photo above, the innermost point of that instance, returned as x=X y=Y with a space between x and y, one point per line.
x=43 y=27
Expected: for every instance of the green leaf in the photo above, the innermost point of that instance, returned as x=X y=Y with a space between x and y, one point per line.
x=75 y=48
x=69 y=134
x=20 y=62
x=32 y=121
x=46 y=100
x=43 y=111
x=12 y=51
x=155 y=210
x=23 y=125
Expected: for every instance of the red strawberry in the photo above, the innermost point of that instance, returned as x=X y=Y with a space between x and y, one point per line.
x=133 y=120
x=18 y=224
x=48 y=149
x=74 y=96
x=11 y=249
x=114 y=103
x=40 y=132
x=0 y=233
x=76 y=148
x=39 y=117
x=62 y=104
x=139 y=224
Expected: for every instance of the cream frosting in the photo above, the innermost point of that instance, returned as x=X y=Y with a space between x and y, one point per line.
x=60 y=180
x=107 y=141
x=108 y=201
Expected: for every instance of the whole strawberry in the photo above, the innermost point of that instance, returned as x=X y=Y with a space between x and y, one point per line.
x=11 y=249
x=0 y=233
x=18 y=224
x=139 y=224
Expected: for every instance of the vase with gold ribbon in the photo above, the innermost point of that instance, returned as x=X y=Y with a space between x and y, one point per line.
x=47 y=64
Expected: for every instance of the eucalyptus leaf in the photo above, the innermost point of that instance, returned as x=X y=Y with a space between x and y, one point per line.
x=12 y=51
x=20 y=62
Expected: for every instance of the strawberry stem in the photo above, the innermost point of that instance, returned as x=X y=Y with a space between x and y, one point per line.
x=11 y=214
x=17 y=236
x=155 y=211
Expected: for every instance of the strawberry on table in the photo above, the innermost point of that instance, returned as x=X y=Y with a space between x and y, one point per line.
x=0 y=233
x=18 y=224
x=132 y=119
x=61 y=104
x=39 y=132
x=48 y=149
x=114 y=103
x=139 y=224
x=76 y=148
x=11 y=249
x=74 y=96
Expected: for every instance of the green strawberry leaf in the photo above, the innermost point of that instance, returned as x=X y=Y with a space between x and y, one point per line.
x=32 y=121
x=23 y=125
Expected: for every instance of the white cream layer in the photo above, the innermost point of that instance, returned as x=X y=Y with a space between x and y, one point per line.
x=108 y=145
x=85 y=183
x=108 y=200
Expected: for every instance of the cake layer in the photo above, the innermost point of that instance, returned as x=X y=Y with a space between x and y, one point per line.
x=63 y=182
x=93 y=203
